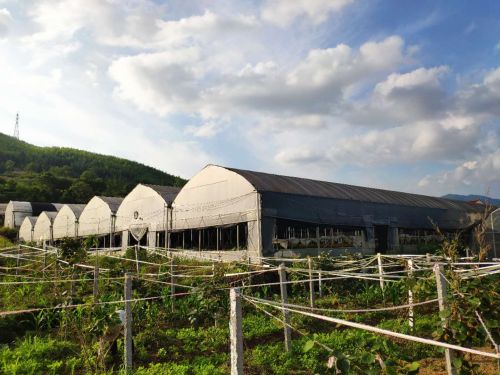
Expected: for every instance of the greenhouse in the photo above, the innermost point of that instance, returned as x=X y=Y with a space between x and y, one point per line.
x=27 y=228
x=261 y=214
x=42 y=232
x=16 y=211
x=98 y=219
x=493 y=232
x=66 y=221
x=143 y=214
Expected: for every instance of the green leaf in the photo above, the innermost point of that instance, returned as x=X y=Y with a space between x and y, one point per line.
x=445 y=313
x=343 y=365
x=457 y=362
x=414 y=366
x=367 y=358
x=308 y=346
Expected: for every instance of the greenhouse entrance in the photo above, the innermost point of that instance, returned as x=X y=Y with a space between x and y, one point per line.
x=381 y=238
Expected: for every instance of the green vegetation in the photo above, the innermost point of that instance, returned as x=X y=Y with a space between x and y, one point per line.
x=53 y=174
x=194 y=338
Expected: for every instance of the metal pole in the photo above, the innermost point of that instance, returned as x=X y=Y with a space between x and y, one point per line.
x=311 y=282
x=286 y=313
x=442 y=295
x=127 y=331
x=236 y=332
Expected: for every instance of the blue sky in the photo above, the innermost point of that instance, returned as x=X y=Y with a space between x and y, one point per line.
x=402 y=95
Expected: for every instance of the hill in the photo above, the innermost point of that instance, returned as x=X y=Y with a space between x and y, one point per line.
x=473 y=197
x=55 y=174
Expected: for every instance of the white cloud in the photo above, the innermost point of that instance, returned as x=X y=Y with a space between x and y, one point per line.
x=163 y=82
x=483 y=98
x=450 y=139
x=5 y=22
x=167 y=82
x=404 y=98
x=283 y=12
x=206 y=130
x=481 y=175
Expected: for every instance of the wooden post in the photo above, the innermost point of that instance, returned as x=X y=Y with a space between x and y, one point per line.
x=428 y=257
x=411 y=318
x=320 y=284
x=199 y=240
x=442 y=295
x=127 y=331
x=380 y=271
x=95 y=291
x=236 y=332
x=72 y=284
x=172 y=284
x=286 y=313
x=44 y=260
x=136 y=248
x=18 y=256
x=311 y=282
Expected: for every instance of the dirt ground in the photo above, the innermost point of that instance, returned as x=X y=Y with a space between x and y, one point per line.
x=437 y=366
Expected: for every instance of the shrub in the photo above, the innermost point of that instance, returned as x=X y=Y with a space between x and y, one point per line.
x=35 y=355
x=9 y=233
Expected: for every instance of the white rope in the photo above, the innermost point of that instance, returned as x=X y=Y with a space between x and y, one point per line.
x=389 y=333
x=390 y=308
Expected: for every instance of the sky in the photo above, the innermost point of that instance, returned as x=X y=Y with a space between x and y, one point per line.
x=401 y=95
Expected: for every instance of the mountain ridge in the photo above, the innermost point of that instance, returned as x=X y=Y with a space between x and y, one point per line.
x=472 y=197
x=68 y=175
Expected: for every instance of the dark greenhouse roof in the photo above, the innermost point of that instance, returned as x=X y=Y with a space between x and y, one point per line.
x=76 y=208
x=38 y=207
x=266 y=182
x=168 y=193
x=31 y=219
x=112 y=202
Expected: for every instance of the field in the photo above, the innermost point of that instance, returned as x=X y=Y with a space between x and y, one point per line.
x=55 y=319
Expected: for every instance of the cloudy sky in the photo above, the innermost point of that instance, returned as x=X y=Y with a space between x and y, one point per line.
x=394 y=94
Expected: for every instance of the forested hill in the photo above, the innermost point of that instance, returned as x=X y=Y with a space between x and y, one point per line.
x=54 y=174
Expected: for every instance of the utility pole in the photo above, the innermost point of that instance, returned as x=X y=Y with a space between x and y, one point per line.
x=16 y=127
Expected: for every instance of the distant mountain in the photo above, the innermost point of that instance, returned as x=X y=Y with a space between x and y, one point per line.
x=54 y=174
x=473 y=197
